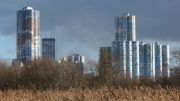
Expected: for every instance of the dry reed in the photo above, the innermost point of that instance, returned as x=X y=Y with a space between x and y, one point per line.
x=103 y=94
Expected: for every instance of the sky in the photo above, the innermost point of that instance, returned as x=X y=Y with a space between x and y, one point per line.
x=82 y=26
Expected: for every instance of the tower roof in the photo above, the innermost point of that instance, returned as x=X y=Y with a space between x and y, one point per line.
x=27 y=8
x=141 y=43
x=126 y=14
x=156 y=43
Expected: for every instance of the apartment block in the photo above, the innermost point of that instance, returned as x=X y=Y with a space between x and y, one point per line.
x=105 y=60
x=165 y=61
x=158 y=59
x=28 y=33
x=49 y=48
x=136 y=58
x=149 y=60
x=79 y=61
x=125 y=28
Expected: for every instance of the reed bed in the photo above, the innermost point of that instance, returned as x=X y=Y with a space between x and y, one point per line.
x=103 y=94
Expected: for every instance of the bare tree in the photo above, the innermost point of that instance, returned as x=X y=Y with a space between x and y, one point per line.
x=15 y=73
x=91 y=67
x=91 y=70
x=4 y=74
x=175 y=60
x=71 y=74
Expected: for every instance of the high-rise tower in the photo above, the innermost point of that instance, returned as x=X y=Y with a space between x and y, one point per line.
x=28 y=33
x=125 y=28
x=79 y=62
x=165 y=61
x=158 y=59
x=48 y=48
x=136 y=59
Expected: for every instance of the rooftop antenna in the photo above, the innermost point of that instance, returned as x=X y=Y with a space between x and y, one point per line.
x=27 y=3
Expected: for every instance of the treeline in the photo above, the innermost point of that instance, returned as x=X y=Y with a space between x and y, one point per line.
x=41 y=74
x=47 y=74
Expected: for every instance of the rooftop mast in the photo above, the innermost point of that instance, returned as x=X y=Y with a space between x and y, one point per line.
x=27 y=3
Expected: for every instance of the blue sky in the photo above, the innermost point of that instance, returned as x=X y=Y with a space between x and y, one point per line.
x=82 y=26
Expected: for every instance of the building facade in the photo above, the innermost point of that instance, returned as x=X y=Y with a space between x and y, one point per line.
x=119 y=56
x=141 y=59
x=49 y=48
x=165 y=61
x=28 y=34
x=149 y=60
x=158 y=59
x=129 y=59
x=125 y=28
x=105 y=63
x=136 y=58
x=79 y=62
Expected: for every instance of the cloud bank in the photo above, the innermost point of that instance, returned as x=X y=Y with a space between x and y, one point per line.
x=82 y=26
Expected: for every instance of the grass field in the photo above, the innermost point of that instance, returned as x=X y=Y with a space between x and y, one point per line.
x=103 y=94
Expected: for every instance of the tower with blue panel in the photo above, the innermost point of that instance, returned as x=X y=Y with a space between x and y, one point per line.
x=115 y=53
x=137 y=59
x=28 y=33
x=165 y=61
x=129 y=59
x=122 y=53
x=122 y=56
x=119 y=56
x=48 y=48
x=149 y=60
x=141 y=59
x=79 y=62
x=158 y=59
x=125 y=28
x=131 y=28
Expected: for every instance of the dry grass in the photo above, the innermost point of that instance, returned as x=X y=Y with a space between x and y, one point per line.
x=103 y=94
